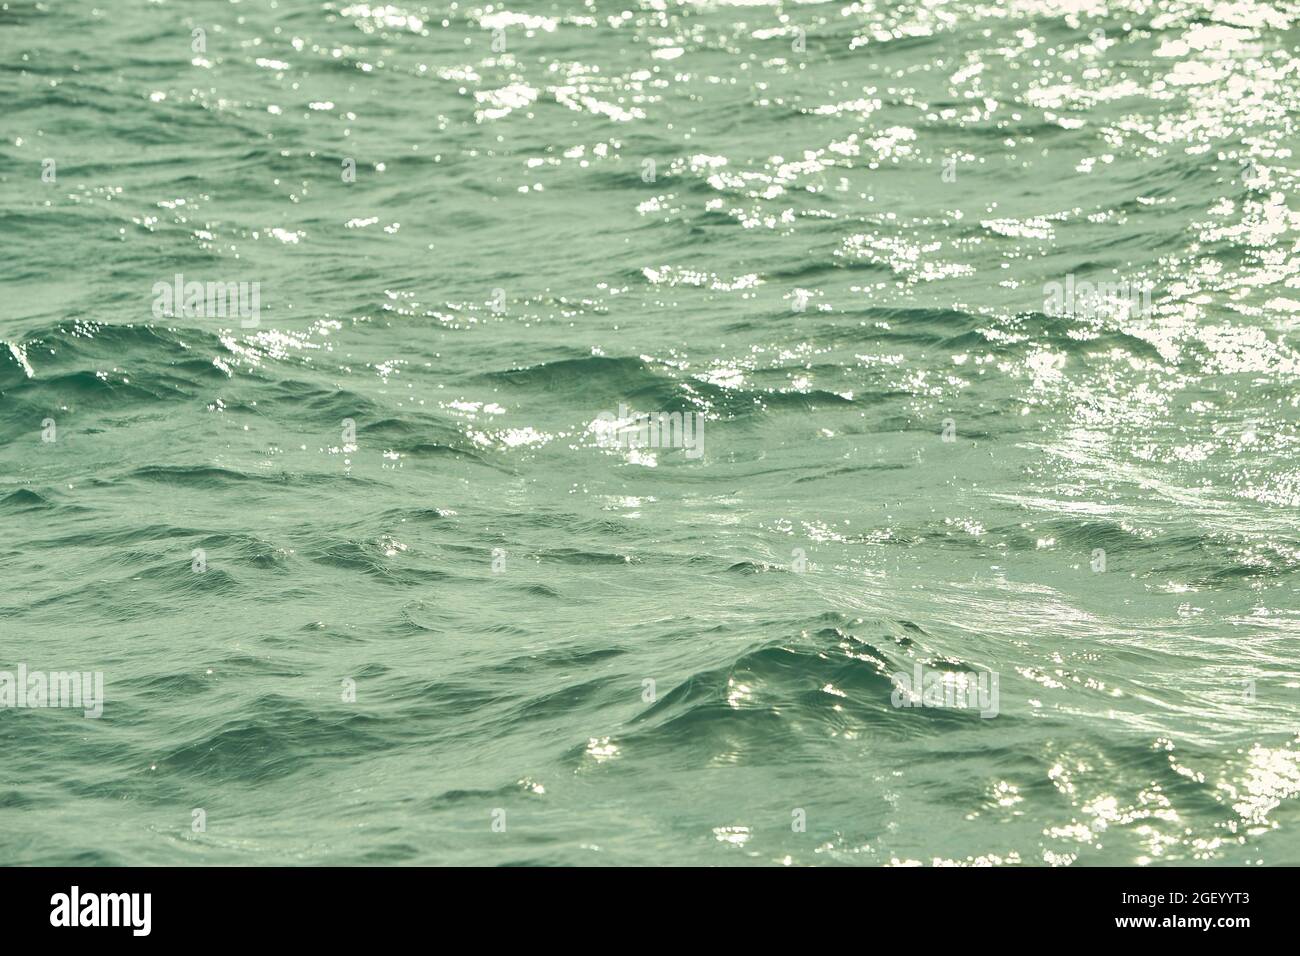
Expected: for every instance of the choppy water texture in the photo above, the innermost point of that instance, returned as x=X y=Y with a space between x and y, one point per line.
x=826 y=226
